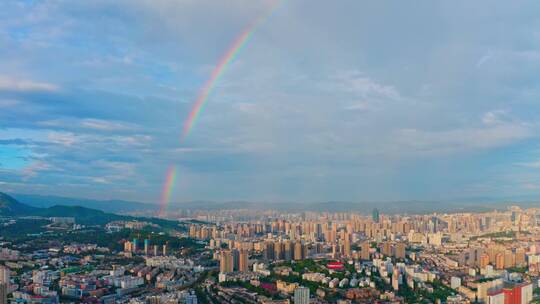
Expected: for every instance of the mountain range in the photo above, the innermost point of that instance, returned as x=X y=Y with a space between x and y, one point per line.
x=112 y=206
x=10 y=206
x=477 y=204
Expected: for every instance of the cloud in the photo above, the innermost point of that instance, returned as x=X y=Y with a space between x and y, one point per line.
x=363 y=86
x=88 y=124
x=463 y=140
x=325 y=101
x=18 y=85
x=534 y=164
x=484 y=59
x=493 y=117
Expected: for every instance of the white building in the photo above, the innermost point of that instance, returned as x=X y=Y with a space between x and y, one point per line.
x=455 y=282
x=301 y=295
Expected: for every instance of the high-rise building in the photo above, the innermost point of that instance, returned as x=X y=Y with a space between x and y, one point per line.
x=396 y=278
x=134 y=245
x=278 y=251
x=243 y=263
x=301 y=295
x=511 y=294
x=128 y=246
x=365 y=251
x=509 y=260
x=164 y=249
x=375 y=215
x=298 y=251
x=5 y=275
x=146 y=246
x=5 y=278
x=347 y=245
x=484 y=260
x=520 y=257
x=236 y=259
x=400 y=250
x=386 y=249
x=499 y=260
x=191 y=299
x=269 y=251
x=3 y=293
x=287 y=250
x=226 y=261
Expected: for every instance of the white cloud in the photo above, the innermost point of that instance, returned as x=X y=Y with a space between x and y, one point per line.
x=534 y=164
x=531 y=186
x=461 y=140
x=484 y=59
x=363 y=86
x=21 y=85
x=494 y=117
x=62 y=138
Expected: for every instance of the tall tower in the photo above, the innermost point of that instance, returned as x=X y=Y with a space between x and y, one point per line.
x=146 y=246
x=269 y=251
x=4 y=284
x=135 y=248
x=243 y=263
x=226 y=261
x=3 y=293
x=347 y=245
x=5 y=275
x=375 y=215
x=365 y=251
x=298 y=250
x=165 y=249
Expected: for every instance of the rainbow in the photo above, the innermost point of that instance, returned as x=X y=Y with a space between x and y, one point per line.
x=205 y=92
x=222 y=65
x=170 y=180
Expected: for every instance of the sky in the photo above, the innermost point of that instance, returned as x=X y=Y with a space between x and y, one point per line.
x=328 y=100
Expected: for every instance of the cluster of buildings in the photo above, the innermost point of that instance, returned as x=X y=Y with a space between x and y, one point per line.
x=451 y=253
x=146 y=248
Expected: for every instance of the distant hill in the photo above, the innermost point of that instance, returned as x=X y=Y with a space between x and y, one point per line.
x=82 y=215
x=113 y=206
x=10 y=206
x=476 y=204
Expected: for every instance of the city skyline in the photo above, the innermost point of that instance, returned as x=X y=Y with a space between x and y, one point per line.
x=357 y=101
x=269 y=152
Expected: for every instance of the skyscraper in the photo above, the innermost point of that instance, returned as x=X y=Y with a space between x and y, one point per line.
x=298 y=251
x=375 y=215
x=278 y=250
x=400 y=250
x=301 y=295
x=287 y=250
x=386 y=249
x=3 y=293
x=347 y=245
x=236 y=259
x=243 y=263
x=134 y=247
x=269 y=251
x=5 y=275
x=365 y=251
x=146 y=246
x=4 y=284
x=226 y=261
